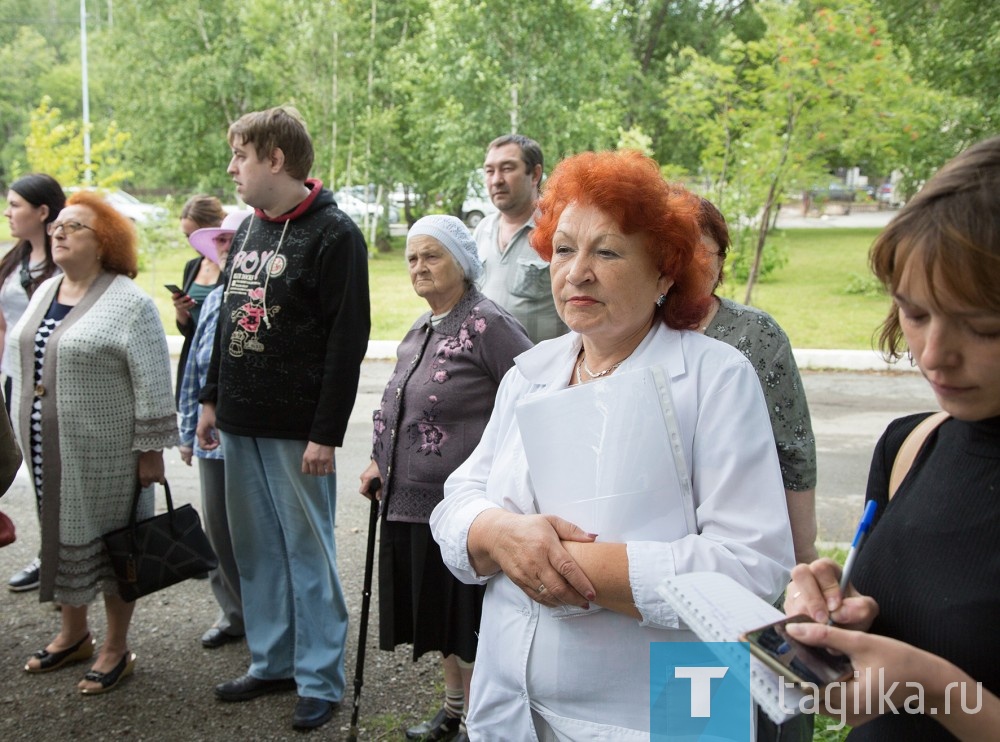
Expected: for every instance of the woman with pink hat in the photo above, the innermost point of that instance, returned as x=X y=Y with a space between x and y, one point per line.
x=213 y=244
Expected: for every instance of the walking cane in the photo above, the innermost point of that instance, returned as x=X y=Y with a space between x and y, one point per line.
x=366 y=598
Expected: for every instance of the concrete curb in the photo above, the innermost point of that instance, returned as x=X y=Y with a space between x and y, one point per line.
x=848 y=360
x=806 y=358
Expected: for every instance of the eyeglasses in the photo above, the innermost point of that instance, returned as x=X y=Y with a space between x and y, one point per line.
x=68 y=227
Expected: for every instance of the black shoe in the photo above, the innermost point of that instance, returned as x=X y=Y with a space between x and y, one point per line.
x=441 y=727
x=216 y=637
x=312 y=712
x=27 y=578
x=110 y=680
x=49 y=661
x=247 y=686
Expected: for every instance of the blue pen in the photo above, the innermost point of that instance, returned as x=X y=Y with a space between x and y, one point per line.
x=864 y=526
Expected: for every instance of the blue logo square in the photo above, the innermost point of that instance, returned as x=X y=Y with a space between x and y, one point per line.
x=699 y=691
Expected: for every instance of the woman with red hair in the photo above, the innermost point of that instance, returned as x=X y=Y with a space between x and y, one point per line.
x=571 y=600
x=93 y=405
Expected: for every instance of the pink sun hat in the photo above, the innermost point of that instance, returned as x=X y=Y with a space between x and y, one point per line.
x=203 y=240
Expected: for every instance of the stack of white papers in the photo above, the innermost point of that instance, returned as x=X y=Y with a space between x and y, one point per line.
x=599 y=456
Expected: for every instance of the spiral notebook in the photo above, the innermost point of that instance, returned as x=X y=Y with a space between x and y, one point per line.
x=719 y=609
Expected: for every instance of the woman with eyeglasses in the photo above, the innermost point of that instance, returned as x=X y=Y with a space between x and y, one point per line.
x=94 y=410
x=201 y=274
x=33 y=202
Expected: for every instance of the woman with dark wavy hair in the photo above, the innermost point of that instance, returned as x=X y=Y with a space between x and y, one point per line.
x=571 y=606
x=93 y=406
x=33 y=202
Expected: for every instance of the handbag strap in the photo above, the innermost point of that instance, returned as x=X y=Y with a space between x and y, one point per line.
x=908 y=452
x=135 y=501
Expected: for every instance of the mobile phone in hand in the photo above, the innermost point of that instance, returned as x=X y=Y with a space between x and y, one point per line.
x=173 y=288
x=798 y=663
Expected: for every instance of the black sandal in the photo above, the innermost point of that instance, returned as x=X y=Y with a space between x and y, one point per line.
x=49 y=661
x=110 y=680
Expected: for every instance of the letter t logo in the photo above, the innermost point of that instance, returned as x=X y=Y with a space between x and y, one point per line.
x=701 y=687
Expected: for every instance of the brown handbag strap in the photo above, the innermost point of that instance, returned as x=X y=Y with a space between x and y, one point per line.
x=907 y=453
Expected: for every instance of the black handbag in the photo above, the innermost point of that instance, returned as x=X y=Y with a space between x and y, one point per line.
x=160 y=551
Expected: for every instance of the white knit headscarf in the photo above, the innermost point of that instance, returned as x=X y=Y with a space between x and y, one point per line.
x=454 y=236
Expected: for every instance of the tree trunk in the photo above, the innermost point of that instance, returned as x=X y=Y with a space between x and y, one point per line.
x=772 y=192
x=514 y=109
x=334 y=93
x=762 y=230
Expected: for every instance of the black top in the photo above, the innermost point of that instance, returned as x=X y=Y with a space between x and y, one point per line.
x=293 y=326
x=187 y=330
x=932 y=561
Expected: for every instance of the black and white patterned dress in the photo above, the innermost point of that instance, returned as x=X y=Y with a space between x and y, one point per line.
x=57 y=312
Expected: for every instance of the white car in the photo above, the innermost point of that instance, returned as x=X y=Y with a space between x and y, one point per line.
x=128 y=205
x=357 y=208
x=477 y=204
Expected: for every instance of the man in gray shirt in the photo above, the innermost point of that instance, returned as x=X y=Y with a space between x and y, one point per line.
x=513 y=274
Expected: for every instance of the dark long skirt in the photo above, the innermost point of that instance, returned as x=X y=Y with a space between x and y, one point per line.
x=420 y=601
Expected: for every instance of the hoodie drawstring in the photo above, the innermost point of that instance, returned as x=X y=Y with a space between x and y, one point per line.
x=267 y=269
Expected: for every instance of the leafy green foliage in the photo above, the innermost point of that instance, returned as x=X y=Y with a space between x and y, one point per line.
x=25 y=58
x=771 y=114
x=955 y=45
x=740 y=261
x=753 y=100
x=864 y=285
x=55 y=146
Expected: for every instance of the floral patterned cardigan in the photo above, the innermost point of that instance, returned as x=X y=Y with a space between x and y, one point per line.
x=439 y=399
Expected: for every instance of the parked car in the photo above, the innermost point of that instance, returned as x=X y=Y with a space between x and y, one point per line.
x=359 y=209
x=477 y=204
x=128 y=205
x=352 y=201
x=401 y=194
x=833 y=192
x=888 y=194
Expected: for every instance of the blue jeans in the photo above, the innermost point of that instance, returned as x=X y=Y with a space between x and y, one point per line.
x=281 y=522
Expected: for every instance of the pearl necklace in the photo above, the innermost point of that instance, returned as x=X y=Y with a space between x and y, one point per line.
x=583 y=364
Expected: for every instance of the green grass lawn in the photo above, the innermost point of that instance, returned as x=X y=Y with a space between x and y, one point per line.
x=394 y=305
x=808 y=296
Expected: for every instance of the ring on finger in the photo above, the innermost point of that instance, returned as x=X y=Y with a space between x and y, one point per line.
x=540 y=589
x=794 y=596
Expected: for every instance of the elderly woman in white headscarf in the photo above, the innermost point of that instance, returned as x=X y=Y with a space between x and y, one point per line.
x=432 y=415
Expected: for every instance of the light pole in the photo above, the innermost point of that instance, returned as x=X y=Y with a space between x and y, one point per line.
x=88 y=175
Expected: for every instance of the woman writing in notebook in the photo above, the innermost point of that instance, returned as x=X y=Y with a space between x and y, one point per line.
x=627 y=279
x=923 y=600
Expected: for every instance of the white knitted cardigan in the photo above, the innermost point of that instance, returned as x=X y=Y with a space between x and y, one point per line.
x=107 y=398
